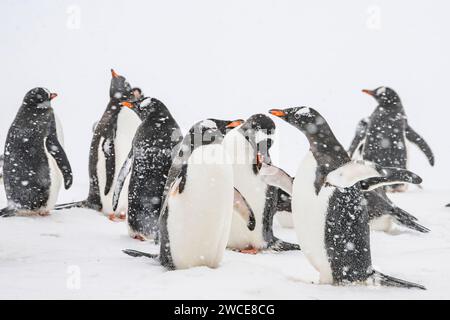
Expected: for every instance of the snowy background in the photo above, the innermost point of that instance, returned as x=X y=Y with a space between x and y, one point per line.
x=224 y=59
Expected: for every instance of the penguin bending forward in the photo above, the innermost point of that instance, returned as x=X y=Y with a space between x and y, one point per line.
x=34 y=160
x=382 y=137
x=110 y=146
x=198 y=202
x=247 y=145
x=149 y=161
x=330 y=214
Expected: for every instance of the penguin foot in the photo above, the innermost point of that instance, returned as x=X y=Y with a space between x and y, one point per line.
x=44 y=213
x=112 y=217
x=122 y=216
x=249 y=251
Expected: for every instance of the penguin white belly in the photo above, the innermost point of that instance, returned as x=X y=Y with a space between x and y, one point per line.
x=251 y=187
x=309 y=212
x=56 y=178
x=59 y=131
x=199 y=218
x=384 y=223
x=127 y=124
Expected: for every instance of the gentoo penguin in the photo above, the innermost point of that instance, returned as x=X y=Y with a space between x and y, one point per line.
x=198 y=202
x=382 y=137
x=110 y=146
x=247 y=145
x=34 y=160
x=149 y=161
x=330 y=214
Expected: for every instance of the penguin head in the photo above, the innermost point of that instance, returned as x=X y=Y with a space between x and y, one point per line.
x=39 y=98
x=384 y=95
x=120 y=89
x=259 y=130
x=227 y=125
x=306 y=119
x=147 y=107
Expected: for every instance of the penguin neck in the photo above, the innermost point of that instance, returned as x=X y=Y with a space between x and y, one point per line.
x=326 y=149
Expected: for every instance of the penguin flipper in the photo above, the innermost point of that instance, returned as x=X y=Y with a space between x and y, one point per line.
x=389 y=176
x=241 y=205
x=276 y=177
x=123 y=174
x=70 y=205
x=135 y=253
x=56 y=150
x=110 y=162
x=415 y=138
x=360 y=134
x=7 y=212
x=389 y=281
x=280 y=245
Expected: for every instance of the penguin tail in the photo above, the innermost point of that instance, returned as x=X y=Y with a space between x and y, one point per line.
x=389 y=281
x=280 y=245
x=408 y=220
x=7 y=212
x=136 y=254
x=448 y=205
x=71 y=205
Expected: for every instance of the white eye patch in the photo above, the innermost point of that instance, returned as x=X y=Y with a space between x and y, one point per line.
x=208 y=124
x=146 y=102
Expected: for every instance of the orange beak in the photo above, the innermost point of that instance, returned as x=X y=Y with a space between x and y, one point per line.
x=235 y=123
x=259 y=160
x=53 y=96
x=127 y=104
x=277 y=112
x=369 y=92
x=114 y=74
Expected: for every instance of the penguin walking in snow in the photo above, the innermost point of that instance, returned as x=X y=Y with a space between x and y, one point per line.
x=198 y=202
x=330 y=214
x=247 y=145
x=149 y=162
x=34 y=160
x=111 y=143
x=381 y=138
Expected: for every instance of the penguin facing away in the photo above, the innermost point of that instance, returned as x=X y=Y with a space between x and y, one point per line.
x=149 y=161
x=109 y=149
x=330 y=214
x=35 y=163
x=247 y=145
x=382 y=137
x=198 y=202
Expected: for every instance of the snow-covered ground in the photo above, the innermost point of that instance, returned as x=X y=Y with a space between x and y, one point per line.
x=77 y=254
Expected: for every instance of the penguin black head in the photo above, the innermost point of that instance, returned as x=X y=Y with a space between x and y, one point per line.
x=120 y=89
x=306 y=119
x=384 y=95
x=39 y=98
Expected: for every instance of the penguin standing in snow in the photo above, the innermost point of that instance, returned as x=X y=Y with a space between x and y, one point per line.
x=198 y=202
x=330 y=214
x=382 y=137
x=111 y=143
x=247 y=145
x=149 y=161
x=34 y=160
